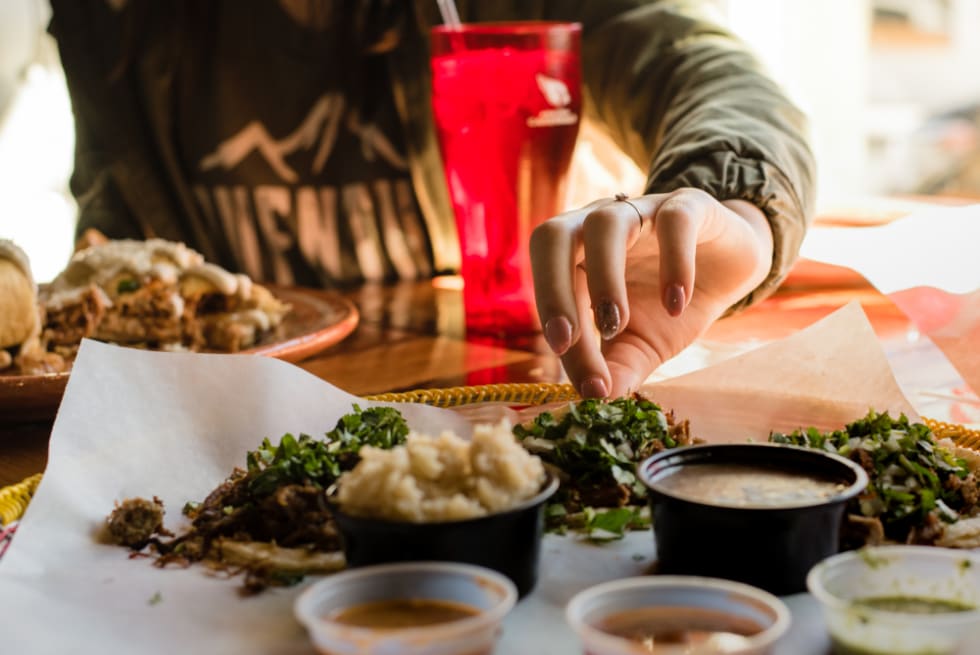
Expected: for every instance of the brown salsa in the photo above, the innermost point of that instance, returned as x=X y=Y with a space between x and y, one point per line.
x=403 y=613
x=742 y=485
x=663 y=629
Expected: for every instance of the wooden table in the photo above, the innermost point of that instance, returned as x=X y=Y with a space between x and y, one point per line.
x=411 y=336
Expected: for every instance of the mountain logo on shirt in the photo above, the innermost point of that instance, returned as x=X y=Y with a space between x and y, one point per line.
x=317 y=130
x=292 y=227
x=557 y=95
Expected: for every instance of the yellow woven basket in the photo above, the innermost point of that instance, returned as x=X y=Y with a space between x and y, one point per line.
x=14 y=499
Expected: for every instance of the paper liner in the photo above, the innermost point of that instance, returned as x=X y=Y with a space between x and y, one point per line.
x=824 y=376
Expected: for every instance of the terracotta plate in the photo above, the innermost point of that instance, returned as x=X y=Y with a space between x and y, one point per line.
x=318 y=319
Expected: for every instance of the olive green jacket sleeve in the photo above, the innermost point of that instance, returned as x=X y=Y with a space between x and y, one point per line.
x=688 y=103
x=679 y=94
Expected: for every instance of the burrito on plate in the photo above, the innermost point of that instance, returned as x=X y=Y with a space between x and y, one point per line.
x=155 y=294
x=18 y=300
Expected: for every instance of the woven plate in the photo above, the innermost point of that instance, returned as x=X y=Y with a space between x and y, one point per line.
x=14 y=499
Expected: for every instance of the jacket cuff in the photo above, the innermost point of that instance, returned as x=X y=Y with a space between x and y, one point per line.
x=726 y=176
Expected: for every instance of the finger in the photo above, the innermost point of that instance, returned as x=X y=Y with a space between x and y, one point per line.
x=677 y=221
x=607 y=234
x=555 y=247
x=627 y=357
x=583 y=362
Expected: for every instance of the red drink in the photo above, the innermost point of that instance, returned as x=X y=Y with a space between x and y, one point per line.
x=506 y=100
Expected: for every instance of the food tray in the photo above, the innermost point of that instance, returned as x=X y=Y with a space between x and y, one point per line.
x=15 y=498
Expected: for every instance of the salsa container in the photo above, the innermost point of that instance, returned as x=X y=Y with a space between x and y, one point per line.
x=769 y=547
x=917 y=572
x=590 y=606
x=491 y=594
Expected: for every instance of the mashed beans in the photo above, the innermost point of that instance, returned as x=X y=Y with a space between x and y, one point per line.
x=442 y=478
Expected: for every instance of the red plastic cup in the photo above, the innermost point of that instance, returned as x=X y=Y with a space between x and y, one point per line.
x=506 y=99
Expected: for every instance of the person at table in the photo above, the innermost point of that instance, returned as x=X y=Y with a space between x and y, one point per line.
x=292 y=140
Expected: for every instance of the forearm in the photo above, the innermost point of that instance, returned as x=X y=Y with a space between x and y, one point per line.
x=732 y=133
x=694 y=107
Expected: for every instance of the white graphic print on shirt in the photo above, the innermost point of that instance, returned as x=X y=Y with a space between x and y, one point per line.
x=381 y=215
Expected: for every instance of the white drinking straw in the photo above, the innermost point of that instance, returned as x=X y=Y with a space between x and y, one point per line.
x=449 y=14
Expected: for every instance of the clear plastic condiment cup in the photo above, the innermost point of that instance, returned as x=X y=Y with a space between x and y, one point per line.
x=899 y=572
x=587 y=610
x=489 y=592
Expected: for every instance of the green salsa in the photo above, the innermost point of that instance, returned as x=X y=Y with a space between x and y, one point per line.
x=903 y=605
x=913 y=604
x=841 y=648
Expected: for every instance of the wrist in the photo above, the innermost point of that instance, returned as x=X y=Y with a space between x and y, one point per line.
x=757 y=222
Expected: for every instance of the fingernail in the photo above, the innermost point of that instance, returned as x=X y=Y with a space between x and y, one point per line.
x=558 y=334
x=593 y=388
x=607 y=319
x=674 y=299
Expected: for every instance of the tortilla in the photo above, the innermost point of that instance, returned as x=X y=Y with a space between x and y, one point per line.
x=964 y=533
x=18 y=296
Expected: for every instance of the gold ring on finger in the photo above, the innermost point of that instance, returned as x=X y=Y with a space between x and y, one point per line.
x=622 y=197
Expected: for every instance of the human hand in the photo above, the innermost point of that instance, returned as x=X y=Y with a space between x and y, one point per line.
x=650 y=287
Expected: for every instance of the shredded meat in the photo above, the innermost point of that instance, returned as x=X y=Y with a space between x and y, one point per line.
x=68 y=325
x=863 y=458
x=293 y=516
x=601 y=495
x=145 y=315
x=135 y=521
x=967 y=487
x=214 y=303
x=860 y=530
x=681 y=432
x=927 y=533
x=229 y=336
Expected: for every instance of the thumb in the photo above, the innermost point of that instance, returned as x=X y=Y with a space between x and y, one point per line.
x=629 y=359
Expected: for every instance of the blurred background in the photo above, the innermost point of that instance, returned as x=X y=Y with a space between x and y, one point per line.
x=891 y=87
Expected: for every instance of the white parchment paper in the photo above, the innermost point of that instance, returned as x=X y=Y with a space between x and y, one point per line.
x=927 y=263
x=137 y=423
x=827 y=375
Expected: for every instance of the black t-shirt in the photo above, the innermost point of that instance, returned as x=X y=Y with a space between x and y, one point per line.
x=294 y=151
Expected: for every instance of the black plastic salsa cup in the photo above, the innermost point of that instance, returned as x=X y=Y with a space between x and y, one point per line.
x=772 y=548
x=508 y=542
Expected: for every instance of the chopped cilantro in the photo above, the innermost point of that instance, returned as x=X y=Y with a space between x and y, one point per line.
x=599 y=441
x=127 y=285
x=612 y=524
x=320 y=461
x=911 y=476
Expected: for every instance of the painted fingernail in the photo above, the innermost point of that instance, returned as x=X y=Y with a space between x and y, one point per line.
x=674 y=299
x=607 y=319
x=558 y=334
x=593 y=388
